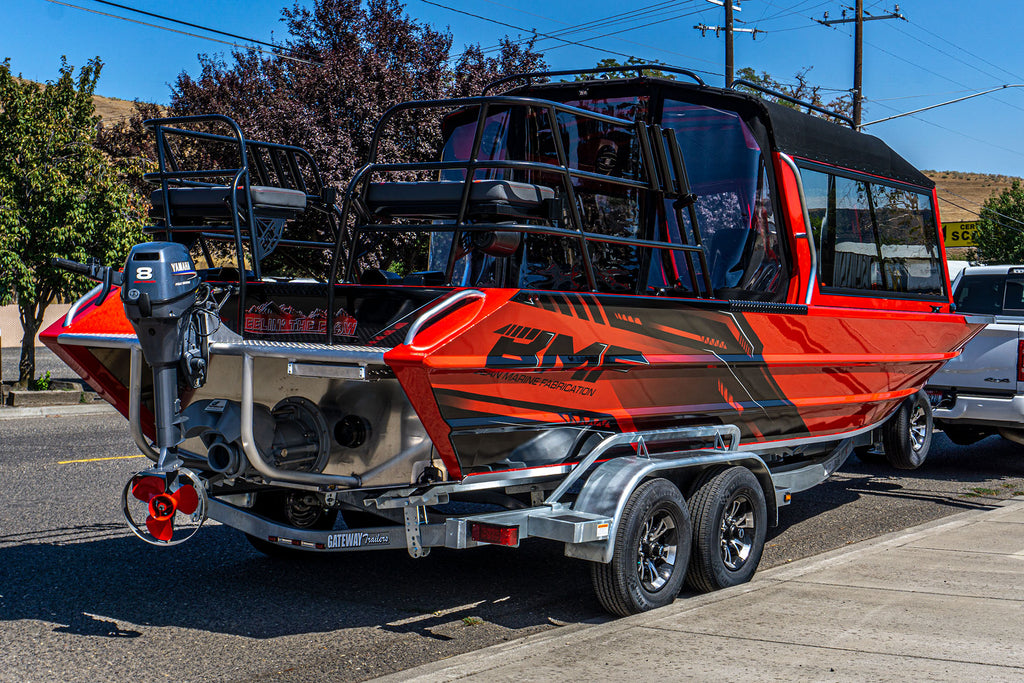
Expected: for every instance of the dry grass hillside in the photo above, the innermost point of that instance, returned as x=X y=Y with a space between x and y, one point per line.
x=962 y=194
x=112 y=109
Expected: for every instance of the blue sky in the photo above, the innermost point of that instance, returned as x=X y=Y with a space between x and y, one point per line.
x=944 y=50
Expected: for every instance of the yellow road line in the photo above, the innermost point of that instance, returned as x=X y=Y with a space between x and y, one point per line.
x=116 y=457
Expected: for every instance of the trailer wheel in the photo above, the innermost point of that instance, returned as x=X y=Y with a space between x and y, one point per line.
x=652 y=549
x=907 y=436
x=730 y=520
x=292 y=509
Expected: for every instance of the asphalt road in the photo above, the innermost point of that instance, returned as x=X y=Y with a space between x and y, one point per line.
x=82 y=599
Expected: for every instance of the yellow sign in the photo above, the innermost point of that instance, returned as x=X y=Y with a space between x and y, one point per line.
x=960 y=233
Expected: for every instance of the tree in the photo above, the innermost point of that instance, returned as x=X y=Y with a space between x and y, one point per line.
x=59 y=196
x=361 y=58
x=611 y=63
x=343 y=64
x=1000 y=234
x=801 y=90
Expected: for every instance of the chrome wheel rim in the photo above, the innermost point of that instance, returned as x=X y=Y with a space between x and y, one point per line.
x=918 y=427
x=656 y=553
x=737 y=532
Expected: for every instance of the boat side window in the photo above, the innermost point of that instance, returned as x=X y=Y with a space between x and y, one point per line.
x=501 y=140
x=735 y=213
x=494 y=144
x=873 y=236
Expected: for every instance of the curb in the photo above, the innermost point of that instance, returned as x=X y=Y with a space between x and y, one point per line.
x=480 y=661
x=56 y=411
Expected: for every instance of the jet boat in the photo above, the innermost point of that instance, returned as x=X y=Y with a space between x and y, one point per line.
x=587 y=287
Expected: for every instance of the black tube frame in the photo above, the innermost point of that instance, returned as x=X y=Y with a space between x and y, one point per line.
x=285 y=160
x=665 y=156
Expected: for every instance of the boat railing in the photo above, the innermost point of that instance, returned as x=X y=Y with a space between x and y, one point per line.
x=662 y=171
x=245 y=167
x=794 y=100
x=639 y=69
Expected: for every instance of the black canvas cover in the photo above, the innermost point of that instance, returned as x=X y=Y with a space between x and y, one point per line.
x=791 y=131
x=810 y=137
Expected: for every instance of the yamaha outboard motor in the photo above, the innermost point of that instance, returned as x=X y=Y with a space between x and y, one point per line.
x=159 y=292
x=159 y=289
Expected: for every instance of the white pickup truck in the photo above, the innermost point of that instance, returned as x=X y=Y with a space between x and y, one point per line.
x=981 y=391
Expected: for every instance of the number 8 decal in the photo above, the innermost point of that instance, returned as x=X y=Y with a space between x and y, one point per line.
x=144 y=273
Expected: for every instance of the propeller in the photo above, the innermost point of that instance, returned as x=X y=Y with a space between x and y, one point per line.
x=163 y=504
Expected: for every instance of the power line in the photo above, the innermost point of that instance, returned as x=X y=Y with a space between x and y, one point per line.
x=651 y=23
x=611 y=21
x=520 y=28
x=943 y=52
x=999 y=223
x=971 y=201
x=961 y=133
x=185 y=33
x=564 y=41
x=186 y=23
x=603 y=21
x=980 y=59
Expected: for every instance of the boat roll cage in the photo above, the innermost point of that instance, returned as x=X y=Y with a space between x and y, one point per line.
x=665 y=68
x=266 y=165
x=663 y=171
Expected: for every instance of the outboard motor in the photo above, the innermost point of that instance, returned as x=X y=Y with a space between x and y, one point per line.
x=159 y=288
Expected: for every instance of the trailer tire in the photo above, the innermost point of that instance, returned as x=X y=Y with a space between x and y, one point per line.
x=652 y=551
x=730 y=519
x=907 y=436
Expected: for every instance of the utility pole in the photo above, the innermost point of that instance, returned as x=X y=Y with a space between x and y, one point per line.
x=729 y=30
x=858 y=49
x=728 y=44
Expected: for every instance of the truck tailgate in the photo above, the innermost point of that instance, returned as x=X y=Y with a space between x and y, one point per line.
x=988 y=363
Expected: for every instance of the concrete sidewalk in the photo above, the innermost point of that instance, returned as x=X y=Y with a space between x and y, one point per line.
x=942 y=601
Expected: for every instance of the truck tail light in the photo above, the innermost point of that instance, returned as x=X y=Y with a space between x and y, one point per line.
x=492 y=533
x=1020 y=360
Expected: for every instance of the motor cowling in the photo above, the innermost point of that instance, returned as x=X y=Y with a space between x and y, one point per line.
x=159 y=289
x=160 y=284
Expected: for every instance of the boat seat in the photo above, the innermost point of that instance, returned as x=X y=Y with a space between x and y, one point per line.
x=439 y=199
x=215 y=202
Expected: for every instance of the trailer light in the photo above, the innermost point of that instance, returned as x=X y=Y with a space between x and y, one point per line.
x=1020 y=360
x=492 y=533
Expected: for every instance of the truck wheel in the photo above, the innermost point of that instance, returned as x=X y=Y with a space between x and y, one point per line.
x=730 y=520
x=907 y=435
x=294 y=510
x=652 y=549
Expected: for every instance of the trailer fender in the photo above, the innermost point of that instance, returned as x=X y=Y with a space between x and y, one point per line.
x=606 y=491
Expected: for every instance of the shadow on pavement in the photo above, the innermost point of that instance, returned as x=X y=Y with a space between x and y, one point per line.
x=217 y=583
